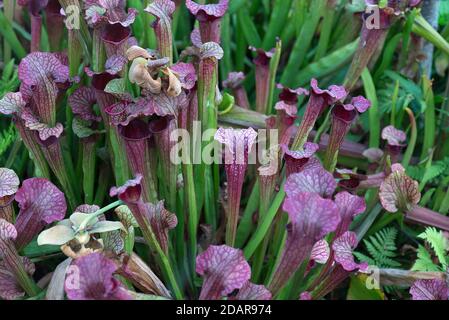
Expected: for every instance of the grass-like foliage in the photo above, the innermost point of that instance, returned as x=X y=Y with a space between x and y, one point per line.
x=224 y=149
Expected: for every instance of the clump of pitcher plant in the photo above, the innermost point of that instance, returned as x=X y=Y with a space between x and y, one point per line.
x=319 y=100
x=44 y=77
x=147 y=92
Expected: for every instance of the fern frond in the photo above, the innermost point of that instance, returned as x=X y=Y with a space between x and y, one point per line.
x=437 y=172
x=381 y=248
x=424 y=261
x=438 y=242
x=434 y=171
x=416 y=172
x=364 y=258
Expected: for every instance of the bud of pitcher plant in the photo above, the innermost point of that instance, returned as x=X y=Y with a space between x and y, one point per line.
x=395 y=142
x=139 y=74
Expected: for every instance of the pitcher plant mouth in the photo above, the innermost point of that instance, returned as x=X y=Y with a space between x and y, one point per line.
x=136 y=130
x=100 y=80
x=115 y=34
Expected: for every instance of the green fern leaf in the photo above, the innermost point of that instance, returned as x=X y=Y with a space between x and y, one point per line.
x=381 y=248
x=433 y=171
x=424 y=261
x=415 y=172
x=438 y=242
x=364 y=258
x=436 y=173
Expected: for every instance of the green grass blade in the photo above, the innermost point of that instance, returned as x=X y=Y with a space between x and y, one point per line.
x=248 y=28
x=328 y=64
x=422 y=28
x=264 y=225
x=326 y=30
x=303 y=43
x=429 y=118
x=373 y=112
x=280 y=10
x=10 y=36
